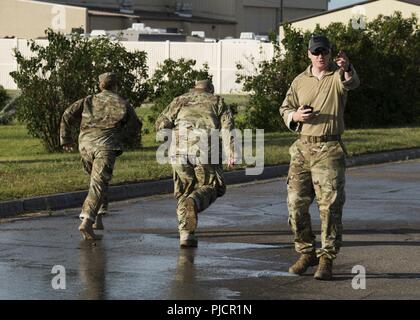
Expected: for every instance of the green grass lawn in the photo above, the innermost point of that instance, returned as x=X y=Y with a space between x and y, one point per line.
x=27 y=170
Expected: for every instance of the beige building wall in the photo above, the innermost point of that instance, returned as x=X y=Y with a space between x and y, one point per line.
x=29 y=19
x=304 y=4
x=214 y=9
x=297 y=13
x=108 y=23
x=151 y=5
x=212 y=6
x=369 y=10
x=217 y=31
x=263 y=16
x=258 y=20
x=111 y=4
x=258 y=16
x=148 y=5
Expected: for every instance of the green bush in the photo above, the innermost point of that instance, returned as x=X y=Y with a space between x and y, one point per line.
x=384 y=55
x=67 y=70
x=3 y=97
x=266 y=88
x=171 y=79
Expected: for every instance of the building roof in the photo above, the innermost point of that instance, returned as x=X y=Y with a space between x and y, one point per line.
x=417 y=2
x=112 y=14
x=150 y=15
x=414 y=2
x=145 y=15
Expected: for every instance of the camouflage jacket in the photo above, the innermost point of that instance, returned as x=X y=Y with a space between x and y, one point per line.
x=103 y=119
x=197 y=112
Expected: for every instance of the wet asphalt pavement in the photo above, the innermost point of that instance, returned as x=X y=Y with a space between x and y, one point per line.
x=244 y=247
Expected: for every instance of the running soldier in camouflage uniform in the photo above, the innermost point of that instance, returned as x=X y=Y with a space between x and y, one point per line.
x=314 y=106
x=197 y=183
x=104 y=119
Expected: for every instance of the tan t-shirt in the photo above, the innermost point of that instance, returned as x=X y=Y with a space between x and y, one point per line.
x=327 y=96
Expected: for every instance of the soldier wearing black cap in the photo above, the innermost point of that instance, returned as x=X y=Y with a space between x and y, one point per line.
x=314 y=107
x=103 y=118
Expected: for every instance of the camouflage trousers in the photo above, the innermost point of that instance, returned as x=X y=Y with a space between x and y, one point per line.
x=99 y=165
x=316 y=170
x=204 y=183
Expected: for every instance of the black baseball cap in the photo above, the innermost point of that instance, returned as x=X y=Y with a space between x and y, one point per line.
x=319 y=42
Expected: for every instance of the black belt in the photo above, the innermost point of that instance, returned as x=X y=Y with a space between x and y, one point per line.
x=316 y=139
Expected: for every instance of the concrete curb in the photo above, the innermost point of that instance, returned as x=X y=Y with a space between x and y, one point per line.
x=149 y=188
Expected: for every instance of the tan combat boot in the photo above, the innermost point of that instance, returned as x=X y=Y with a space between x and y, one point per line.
x=187 y=240
x=304 y=262
x=98 y=225
x=87 y=231
x=191 y=215
x=324 y=271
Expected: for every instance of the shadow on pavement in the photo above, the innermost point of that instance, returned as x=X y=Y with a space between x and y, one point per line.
x=380 y=243
x=240 y=233
x=381 y=231
x=350 y=276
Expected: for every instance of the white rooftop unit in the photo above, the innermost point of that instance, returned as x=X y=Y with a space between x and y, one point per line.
x=138 y=26
x=200 y=34
x=262 y=38
x=98 y=33
x=210 y=40
x=247 y=35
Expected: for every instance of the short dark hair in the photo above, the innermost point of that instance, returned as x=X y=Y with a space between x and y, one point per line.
x=205 y=84
x=108 y=80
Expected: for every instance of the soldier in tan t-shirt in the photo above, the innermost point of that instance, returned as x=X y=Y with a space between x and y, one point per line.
x=314 y=107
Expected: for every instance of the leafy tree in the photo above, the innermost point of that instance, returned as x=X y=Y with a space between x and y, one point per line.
x=266 y=87
x=66 y=70
x=384 y=55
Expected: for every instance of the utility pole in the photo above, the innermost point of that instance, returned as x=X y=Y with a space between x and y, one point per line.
x=279 y=15
x=281 y=11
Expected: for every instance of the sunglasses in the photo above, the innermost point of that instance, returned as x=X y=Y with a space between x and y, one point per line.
x=317 y=52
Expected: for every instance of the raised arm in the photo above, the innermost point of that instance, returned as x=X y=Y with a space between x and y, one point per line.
x=350 y=80
x=348 y=75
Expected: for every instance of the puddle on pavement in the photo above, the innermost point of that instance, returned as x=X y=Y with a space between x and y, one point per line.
x=147 y=264
x=224 y=293
x=237 y=245
x=238 y=273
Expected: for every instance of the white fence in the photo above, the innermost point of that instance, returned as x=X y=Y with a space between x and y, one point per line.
x=221 y=58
